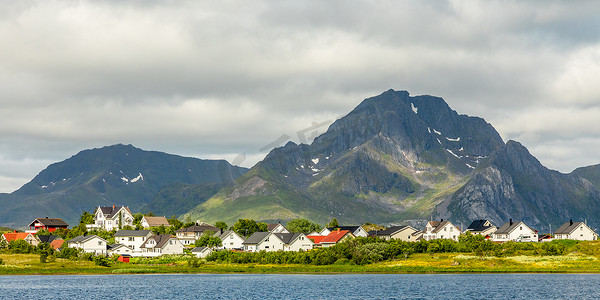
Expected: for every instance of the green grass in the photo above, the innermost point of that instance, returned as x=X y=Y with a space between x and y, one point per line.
x=22 y=264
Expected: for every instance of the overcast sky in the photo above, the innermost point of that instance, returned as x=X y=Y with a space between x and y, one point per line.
x=219 y=79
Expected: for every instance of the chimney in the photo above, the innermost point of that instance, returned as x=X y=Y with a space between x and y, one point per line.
x=15 y=231
x=113 y=206
x=338 y=230
x=571 y=221
x=46 y=217
x=442 y=220
x=510 y=222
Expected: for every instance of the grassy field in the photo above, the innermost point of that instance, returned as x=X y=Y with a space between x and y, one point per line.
x=28 y=264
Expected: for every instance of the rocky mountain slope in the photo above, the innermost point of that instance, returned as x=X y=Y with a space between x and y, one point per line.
x=397 y=159
x=119 y=174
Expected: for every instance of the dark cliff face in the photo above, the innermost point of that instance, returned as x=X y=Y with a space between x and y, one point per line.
x=515 y=185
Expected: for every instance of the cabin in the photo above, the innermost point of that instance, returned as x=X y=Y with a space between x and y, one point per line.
x=575 y=231
x=89 y=244
x=50 y=224
x=157 y=245
x=202 y=252
x=231 y=240
x=441 y=230
x=516 y=232
x=403 y=233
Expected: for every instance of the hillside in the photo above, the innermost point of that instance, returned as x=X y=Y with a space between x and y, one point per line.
x=402 y=159
x=119 y=174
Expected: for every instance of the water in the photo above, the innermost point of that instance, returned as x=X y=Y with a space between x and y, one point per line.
x=469 y=286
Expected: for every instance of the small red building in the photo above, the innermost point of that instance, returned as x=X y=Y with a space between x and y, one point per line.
x=47 y=223
x=124 y=258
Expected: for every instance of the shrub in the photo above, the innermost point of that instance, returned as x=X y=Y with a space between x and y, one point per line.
x=102 y=261
x=1 y=262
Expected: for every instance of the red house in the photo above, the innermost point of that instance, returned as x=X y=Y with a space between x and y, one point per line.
x=47 y=223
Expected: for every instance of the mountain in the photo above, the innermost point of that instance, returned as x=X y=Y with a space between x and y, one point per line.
x=119 y=174
x=402 y=159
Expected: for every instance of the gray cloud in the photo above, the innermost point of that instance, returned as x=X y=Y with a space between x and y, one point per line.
x=221 y=78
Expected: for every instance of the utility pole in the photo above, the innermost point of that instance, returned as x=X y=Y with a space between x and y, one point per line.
x=550 y=225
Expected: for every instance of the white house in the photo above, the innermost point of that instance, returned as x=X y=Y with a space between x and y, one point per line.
x=133 y=239
x=157 y=245
x=231 y=240
x=111 y=217
x=148 y=222
x=295 y=241
x=403 y=233
x=119 y=249
x=89 y=244
x=441 y=230
x=355 y=230
x=277 y=228
x=202 y=252
x=266 y=241
x=575 y=231
x=514 y=231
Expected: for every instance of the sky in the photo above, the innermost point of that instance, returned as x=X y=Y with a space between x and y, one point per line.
x=233 y=79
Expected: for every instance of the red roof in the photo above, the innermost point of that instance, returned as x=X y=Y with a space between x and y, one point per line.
x=15 y=236
x=57 y=243
x=316 y=238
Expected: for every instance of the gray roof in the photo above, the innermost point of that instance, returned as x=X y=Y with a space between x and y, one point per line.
x=440 y=225
x=132 y=233
x=256 y=238
x=567 y=228
x=54 y=222
x=83 y=238
x=507 y=228
x=199 y=228
x=391 y=230
x=115 y=246
x=287 y=238
x=110 y=211
x=160 y=239
x=48 y=238
x=350 y=228
x=200 y=249
x=479 y=225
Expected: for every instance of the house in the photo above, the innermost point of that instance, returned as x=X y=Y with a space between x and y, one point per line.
x=55 y=241
x=403 y=233
x=356 y=230
x=30 y=238
x=514 y=231
x=335 y=237
x=111 y=217
x=417 y=236
x=51 y=224
x=133 y=239
x=89 y=244
x=295 y=241
x=441 y=230
x=266 y=241
x=157 y=245
x=148 y=222
x=202 y=252
x=231 y=240
x=575 y=231
x=277 y=228
x=119 y=249
x=189 y=235
x=481 y=227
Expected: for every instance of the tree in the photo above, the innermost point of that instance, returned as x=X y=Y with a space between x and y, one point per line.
x=302 y=225
x=208 y=239
x=175 y=222
x=222 y=225
x=333 y=223
x=43 y=232
x=137 y=218
x=86 y=218
x=247 y=227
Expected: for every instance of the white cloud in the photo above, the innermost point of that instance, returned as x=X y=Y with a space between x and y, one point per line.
x=221 y=78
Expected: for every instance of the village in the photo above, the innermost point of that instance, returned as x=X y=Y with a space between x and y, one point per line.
x=142 y=240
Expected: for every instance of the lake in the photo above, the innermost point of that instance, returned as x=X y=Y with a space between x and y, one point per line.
x=353 y=286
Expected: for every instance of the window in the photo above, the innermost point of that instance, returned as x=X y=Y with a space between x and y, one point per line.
x=130 y=238
x=266 y=247
x=521 y=228
x=99 y=243
x=231 y=237
x=451 y=228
